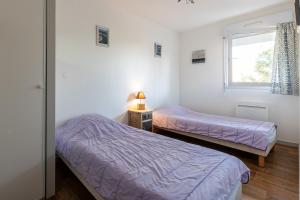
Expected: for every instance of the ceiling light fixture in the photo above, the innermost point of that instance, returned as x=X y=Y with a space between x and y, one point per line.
x=187 y=1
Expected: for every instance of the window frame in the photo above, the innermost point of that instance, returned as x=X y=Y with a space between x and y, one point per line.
x=228 y=83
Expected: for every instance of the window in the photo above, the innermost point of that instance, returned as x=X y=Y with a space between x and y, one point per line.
x=250 y=60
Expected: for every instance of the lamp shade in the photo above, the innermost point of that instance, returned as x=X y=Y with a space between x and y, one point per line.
x=140 y=95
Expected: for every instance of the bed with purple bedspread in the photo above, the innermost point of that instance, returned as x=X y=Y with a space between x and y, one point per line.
x=124 y=163
x=256 y=134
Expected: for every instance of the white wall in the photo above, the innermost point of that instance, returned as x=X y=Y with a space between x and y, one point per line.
x=92 y=79
x=201 y=85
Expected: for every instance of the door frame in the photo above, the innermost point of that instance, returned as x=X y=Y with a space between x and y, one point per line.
x=50 y=7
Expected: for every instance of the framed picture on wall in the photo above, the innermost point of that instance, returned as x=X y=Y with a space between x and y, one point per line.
x=198 y=57
x=102 y=36
x=157 y=50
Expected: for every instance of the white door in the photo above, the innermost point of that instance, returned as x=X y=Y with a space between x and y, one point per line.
x=21 y=101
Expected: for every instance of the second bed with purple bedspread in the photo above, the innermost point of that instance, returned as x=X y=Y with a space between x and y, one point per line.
x=257 y=134
x=124 y=163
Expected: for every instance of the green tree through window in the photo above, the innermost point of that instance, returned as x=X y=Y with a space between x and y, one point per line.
x=264 y=65
x=263 y=68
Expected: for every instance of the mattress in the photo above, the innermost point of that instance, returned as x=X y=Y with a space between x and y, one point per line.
x=253 y=133
x=124 y=163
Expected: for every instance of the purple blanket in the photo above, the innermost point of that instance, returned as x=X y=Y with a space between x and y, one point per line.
x=257 y=134
x=124 y=163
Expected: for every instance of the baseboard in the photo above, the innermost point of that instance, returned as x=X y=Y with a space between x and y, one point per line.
x=290 y=144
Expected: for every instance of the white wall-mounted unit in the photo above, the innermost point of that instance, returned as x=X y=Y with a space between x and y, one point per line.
x=251 y=110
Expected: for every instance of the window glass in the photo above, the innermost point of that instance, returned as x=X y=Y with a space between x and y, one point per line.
x=252 y=59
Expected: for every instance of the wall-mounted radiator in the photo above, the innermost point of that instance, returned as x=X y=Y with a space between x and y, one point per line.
x=250 y=110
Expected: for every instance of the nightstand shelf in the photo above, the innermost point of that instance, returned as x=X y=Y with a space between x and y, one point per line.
x=141 y=119
x=147 y=120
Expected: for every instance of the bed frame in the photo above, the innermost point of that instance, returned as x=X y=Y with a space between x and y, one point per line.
x=86 y=185
x=261 y=154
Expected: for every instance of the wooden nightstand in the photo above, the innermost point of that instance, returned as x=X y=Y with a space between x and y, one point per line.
x=140 y=119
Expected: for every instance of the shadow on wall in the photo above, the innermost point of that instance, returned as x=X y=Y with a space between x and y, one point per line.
x=131 y=97
x=123 y=118
x=18 y=188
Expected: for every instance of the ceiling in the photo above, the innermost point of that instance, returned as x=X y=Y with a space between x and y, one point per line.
x=182 y=16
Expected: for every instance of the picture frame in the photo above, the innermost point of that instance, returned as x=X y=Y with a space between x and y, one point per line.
x=102 y=36
x=157 y=49
x=198 y=57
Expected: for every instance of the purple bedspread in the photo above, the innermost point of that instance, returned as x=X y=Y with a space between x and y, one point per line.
x=257 y=134
x=123 y=163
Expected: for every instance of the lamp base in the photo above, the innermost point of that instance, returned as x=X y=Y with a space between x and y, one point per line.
x=141 y=107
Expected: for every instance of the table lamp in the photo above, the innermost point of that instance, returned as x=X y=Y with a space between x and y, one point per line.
x=141 y=97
